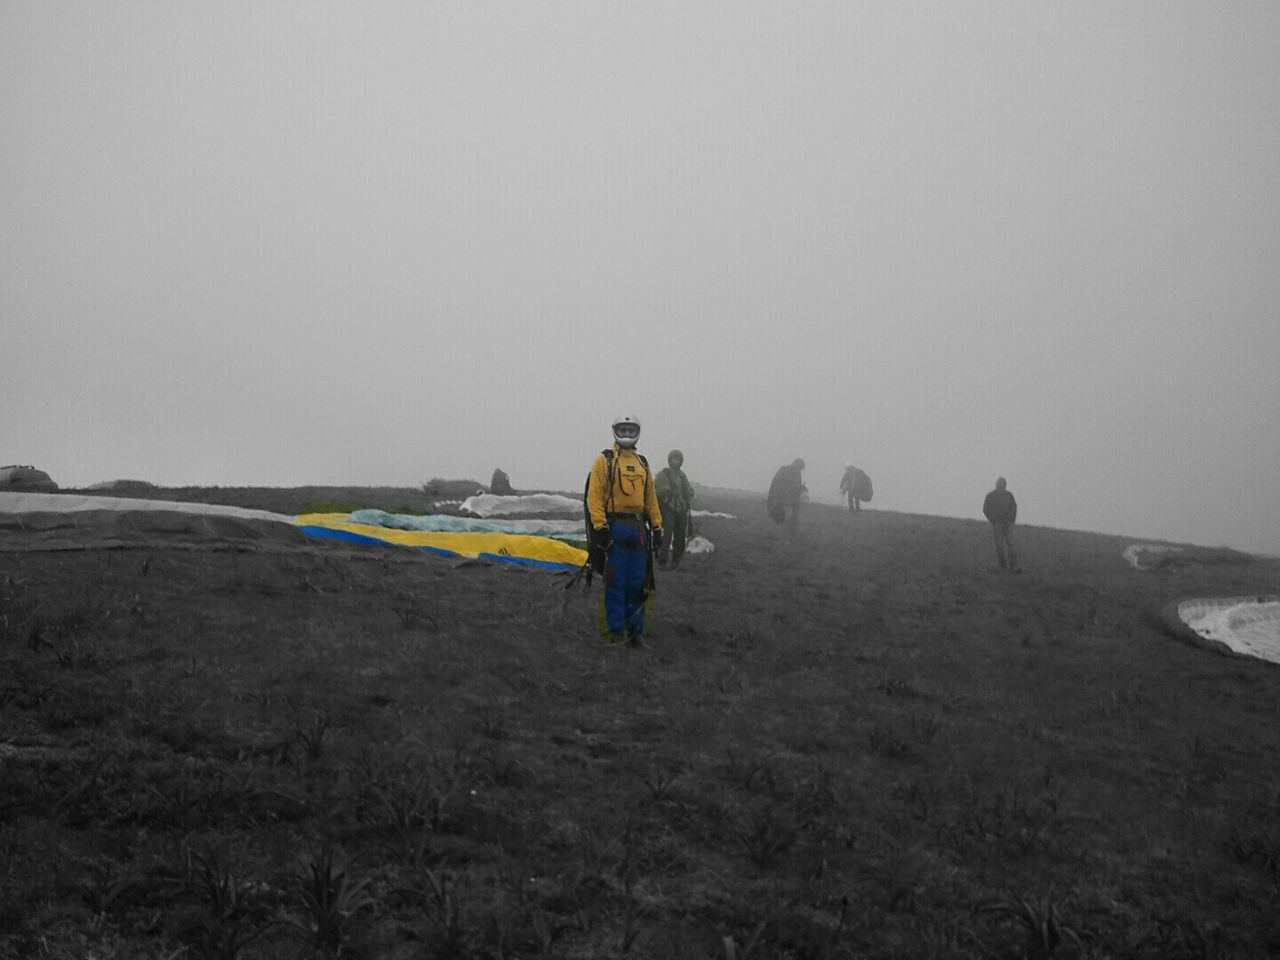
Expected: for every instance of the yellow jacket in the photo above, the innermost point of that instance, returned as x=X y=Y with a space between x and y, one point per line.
x=632 y=491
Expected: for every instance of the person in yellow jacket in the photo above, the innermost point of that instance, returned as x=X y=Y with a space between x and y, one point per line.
x=626 y=523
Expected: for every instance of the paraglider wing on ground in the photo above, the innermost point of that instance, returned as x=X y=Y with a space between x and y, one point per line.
x=1243 y=626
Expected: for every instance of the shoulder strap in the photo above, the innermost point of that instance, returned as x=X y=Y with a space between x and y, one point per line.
x=647 y=475
x=608 y=483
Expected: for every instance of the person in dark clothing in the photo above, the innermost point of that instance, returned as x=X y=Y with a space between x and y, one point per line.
x=856 y=486
x=785 y=493
x=1001 y=510
x=675 y=500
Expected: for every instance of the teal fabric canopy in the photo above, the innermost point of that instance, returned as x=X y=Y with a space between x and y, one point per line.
x=441 y=523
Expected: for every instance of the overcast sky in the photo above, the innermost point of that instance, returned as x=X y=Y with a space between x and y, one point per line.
x=276 y=243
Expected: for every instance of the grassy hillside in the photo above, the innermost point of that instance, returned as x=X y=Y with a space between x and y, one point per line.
x=869 y=744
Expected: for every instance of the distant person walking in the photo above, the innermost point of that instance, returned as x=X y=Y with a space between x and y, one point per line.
x=625 y=520
x=785 y=493
x=856 y=486
x=675 y=499
x=1001 y=510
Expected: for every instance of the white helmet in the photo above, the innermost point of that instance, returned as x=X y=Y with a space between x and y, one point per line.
x=626 y=431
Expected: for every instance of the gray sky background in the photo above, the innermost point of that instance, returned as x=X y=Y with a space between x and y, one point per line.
x=283 y=243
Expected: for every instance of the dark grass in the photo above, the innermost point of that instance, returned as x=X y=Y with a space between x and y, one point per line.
x=869 y=744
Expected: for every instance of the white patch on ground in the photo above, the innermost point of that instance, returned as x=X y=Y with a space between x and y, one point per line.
x=1134 y=554
x=38 y=754
x=712 y=513
x=1248 y=625
x=699 y=545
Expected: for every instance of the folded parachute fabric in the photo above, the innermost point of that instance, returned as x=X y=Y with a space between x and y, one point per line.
x=489 y=505
x=445 y=523
x=699 y=545
x=1249 y=626
x=1147 y=556
x=70 y=503
x=40 y=522
x=63 y=521
x=522 y=549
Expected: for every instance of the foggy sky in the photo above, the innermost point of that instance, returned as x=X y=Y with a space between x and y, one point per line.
x=275 y=243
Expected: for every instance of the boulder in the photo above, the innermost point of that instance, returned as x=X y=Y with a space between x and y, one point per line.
x=26 y=479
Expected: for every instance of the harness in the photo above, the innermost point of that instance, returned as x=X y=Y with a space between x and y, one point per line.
x=638 y=518
x=609 y=481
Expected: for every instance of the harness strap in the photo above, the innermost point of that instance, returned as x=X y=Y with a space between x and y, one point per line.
x=609 y=483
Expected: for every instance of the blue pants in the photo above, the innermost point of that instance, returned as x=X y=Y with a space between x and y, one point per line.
x=626 y=575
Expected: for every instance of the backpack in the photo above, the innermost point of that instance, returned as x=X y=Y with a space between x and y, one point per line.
x=595 y=549
x=776 y=502
x=777 y=512
x=862 y=486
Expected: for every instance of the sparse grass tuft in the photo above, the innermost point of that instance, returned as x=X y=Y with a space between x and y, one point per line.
x=327 y=902
x=661 y=781
x=888 y=740
x=1040 y=920
x=229 y=912
x=766 y=836
x=312 y=735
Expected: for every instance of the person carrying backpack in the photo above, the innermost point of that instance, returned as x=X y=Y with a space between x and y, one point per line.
x=856 y=486
x=626 y=524
x=785 y=493
x=675 y=499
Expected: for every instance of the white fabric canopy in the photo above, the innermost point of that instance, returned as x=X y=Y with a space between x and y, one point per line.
x=1248 y=625
x=564 y=529
x=489 y=505
x=74 y=503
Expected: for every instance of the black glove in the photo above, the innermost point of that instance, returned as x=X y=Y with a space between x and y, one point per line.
x=603 y=538
x=657 y=538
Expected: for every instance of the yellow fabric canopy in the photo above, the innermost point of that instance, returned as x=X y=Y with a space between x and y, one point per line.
x=503 y=547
